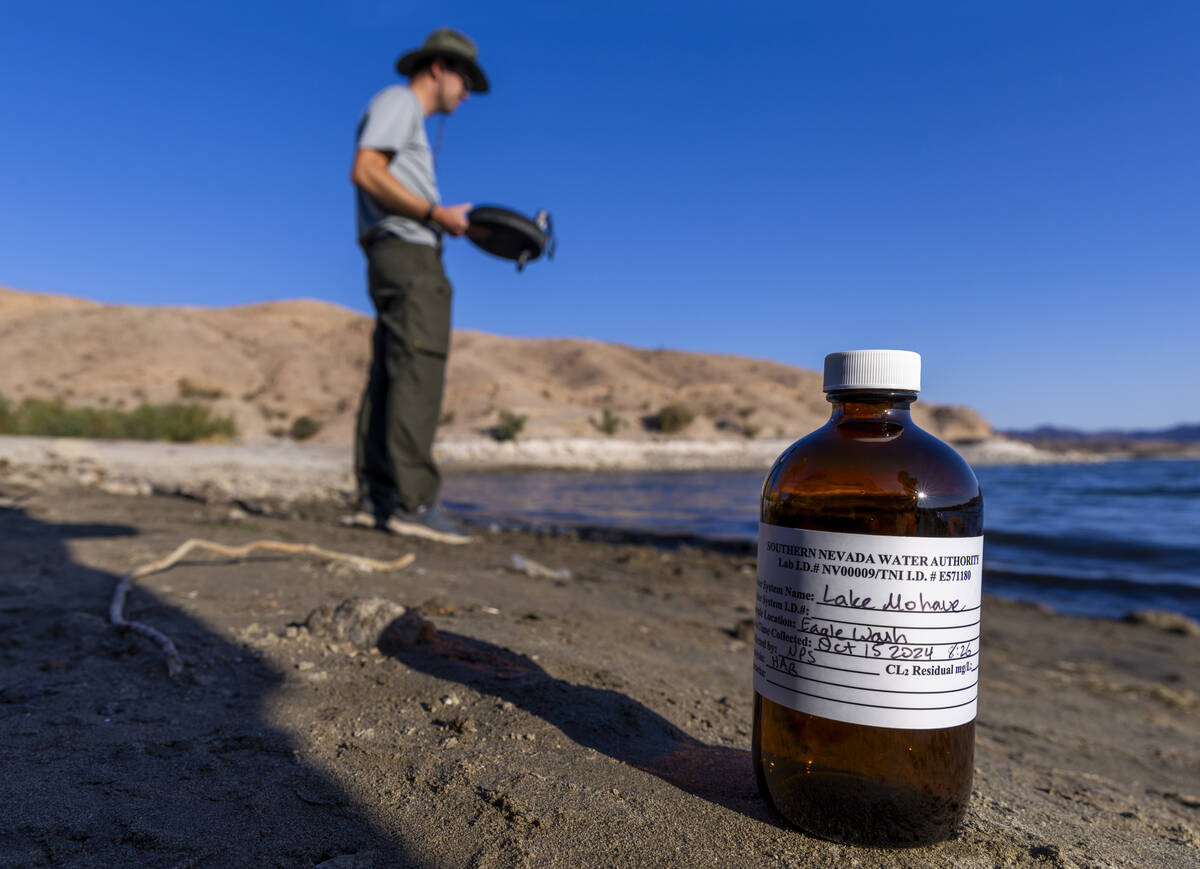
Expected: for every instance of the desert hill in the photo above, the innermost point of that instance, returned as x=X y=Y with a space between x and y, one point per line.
x=269 y=364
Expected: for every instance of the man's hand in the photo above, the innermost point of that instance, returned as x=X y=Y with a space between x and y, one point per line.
x=452 y=218
x=370 y=174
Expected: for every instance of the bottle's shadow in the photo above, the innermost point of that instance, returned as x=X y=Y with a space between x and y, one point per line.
x=601 y=719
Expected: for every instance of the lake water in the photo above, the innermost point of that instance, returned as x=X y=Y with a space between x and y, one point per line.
x=1093 y=539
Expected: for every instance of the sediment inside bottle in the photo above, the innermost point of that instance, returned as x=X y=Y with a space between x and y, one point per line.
x=862 y=785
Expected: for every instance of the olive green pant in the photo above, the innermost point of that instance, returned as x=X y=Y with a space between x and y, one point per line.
x=402 y=401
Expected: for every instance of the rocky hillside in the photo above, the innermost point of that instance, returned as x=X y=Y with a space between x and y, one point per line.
x=268 y=365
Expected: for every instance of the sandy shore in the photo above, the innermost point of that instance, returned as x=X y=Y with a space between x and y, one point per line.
x=600 y=718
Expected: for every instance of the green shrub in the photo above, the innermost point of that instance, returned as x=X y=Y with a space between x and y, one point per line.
x=304 y=427
x=510 y=426
x=166 y=422
x=187 y=389
x=674 y=418
x=609 y=422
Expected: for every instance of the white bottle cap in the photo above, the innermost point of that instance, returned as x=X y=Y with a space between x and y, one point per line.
x=898 y=370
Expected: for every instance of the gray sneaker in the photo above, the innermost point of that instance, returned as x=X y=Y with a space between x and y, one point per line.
x=366 y=515
x=427 y=522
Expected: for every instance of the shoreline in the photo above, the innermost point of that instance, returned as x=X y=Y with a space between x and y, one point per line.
x=273 y=478
x=603 y=454
x=251 y=469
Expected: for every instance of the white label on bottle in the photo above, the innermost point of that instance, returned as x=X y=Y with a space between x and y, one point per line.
x=869 y=629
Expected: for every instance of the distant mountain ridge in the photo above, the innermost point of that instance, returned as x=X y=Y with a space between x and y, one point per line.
x=1183 y=433
x=269 y=365
x=1177 y=441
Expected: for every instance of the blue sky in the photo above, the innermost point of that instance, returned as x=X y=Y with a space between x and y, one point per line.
x=1011 y=189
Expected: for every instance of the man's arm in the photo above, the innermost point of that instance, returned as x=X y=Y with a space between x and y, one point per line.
x=370 y=175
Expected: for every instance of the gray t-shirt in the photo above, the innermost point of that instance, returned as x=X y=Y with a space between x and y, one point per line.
x=394 y=122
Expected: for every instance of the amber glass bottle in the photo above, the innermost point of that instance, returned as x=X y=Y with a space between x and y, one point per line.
x=867 y=618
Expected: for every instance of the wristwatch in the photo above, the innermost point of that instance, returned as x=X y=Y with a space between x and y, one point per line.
x=429 y=213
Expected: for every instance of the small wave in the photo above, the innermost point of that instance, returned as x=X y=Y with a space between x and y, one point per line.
x=1122 y=587
x=1070 y=569
x=606 y=533
x=1132 y=550
x=1143 y=491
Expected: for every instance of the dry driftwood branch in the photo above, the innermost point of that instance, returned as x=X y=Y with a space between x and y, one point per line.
x=174 y=662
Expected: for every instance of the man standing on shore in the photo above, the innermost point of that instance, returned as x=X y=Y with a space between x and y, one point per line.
x=401 y=224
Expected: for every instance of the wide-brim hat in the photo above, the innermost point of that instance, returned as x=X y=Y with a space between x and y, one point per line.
x=450 y=45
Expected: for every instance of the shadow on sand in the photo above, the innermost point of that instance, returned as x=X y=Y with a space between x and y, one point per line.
x=107 y=762
x=597 y=718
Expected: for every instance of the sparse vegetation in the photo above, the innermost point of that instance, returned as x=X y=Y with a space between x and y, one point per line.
x=303 y=427
x=151 y=422
x=748 y=429
x=509 y=426
x=189 y=390
x=674 y=418
x=609 y=422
